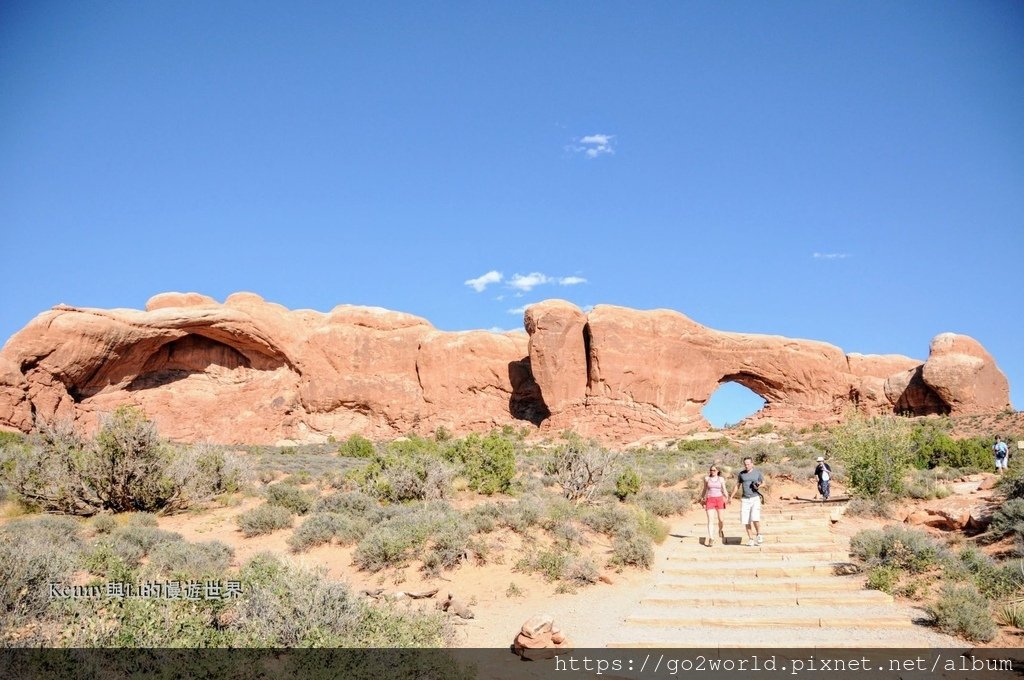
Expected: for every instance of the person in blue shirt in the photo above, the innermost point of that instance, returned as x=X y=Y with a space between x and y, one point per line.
x=1001 y=452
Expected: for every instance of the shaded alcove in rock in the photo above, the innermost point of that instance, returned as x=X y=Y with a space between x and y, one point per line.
x=731 y=403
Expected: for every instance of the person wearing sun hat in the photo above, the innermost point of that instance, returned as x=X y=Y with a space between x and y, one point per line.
x=824 y=474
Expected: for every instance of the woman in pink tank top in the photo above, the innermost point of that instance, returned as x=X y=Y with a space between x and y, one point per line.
x=714 y=498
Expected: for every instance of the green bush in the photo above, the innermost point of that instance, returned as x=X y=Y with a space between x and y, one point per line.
x=448 y=549
x=290 y=497
x=963 y=611
x=489 y=463
x=357 y=446
x=407 y=470
x=142 y=519
x=550 y=564
x=264 y=520
x=877 y=454
x=627 y=484
x=884 y=578
x=933 y=447
x=993 y=580
x=353 y=503
x=111 y=560
x=897 y=547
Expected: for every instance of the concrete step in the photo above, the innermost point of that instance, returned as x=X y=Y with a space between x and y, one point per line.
x=824 y=543
x=717 y=552
x=732 y=617
x=741 y=568
x=770 y=599
x=710 y=583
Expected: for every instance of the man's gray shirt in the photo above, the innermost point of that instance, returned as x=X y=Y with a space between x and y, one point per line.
x=746 y=478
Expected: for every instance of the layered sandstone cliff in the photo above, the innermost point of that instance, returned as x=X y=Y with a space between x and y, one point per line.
x=249 y=371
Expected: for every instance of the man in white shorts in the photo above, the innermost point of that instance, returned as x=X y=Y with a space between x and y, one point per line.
x=750 y=507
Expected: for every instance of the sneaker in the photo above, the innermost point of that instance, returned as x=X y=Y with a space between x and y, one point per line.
x=760 y=539
x=751 y=543
x=711 y=543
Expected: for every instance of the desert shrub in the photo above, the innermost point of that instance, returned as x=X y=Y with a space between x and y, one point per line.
x=400 y=538
x=320 y=528
x=664 y=503
x=113 y=560
x=992 y=579
x=963 y=611
x=566 y=534
x=608 y=519
x=144 y=537
x=33 y=554
x=298 y=478
x=1009 y=518
x=141 y=519
x=353 y=503
x=550 y=564
x=408 y=469
x=897 y=547
x=703 y=445
x=863 y=507
x=581 y=570
x=581 y=467
x=489 y=462
x=447 y=550
x=484 y=518
x=884 y=578
x=1012 y=483
x=125 y=467
x=632 y=547
x=1011 y=614
x=103 y=524
x=357 y=446
x=924 y=486
x=933 y=447
x=877 y=454
x=191 y=559
x=292 y=498
x=627 y=484
x=284 y=606
x=522 y=516
x=264 y=520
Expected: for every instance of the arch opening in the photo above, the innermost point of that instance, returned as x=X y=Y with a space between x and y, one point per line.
x=731 y=403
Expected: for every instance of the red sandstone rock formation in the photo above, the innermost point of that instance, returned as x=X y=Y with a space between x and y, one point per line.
x=249 y=371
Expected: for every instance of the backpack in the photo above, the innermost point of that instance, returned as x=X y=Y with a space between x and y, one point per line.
x=1000 y=450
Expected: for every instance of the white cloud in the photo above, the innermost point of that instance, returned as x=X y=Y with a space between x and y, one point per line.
x=587 y=309
x=496 y=329
x=593 y=146
x=481 y=282
x=830 y=256
x=528 y=282
x=520 y=310
x=571 y=280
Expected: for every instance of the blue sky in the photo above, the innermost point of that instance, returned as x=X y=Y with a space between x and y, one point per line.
x=847 y=172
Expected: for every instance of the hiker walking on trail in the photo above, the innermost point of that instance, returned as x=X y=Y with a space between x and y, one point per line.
x=714 y=498
x=1002 y=454
x=750 y=480
x=824 y=474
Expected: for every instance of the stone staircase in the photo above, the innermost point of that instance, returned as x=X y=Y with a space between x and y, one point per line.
x=782 y=593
